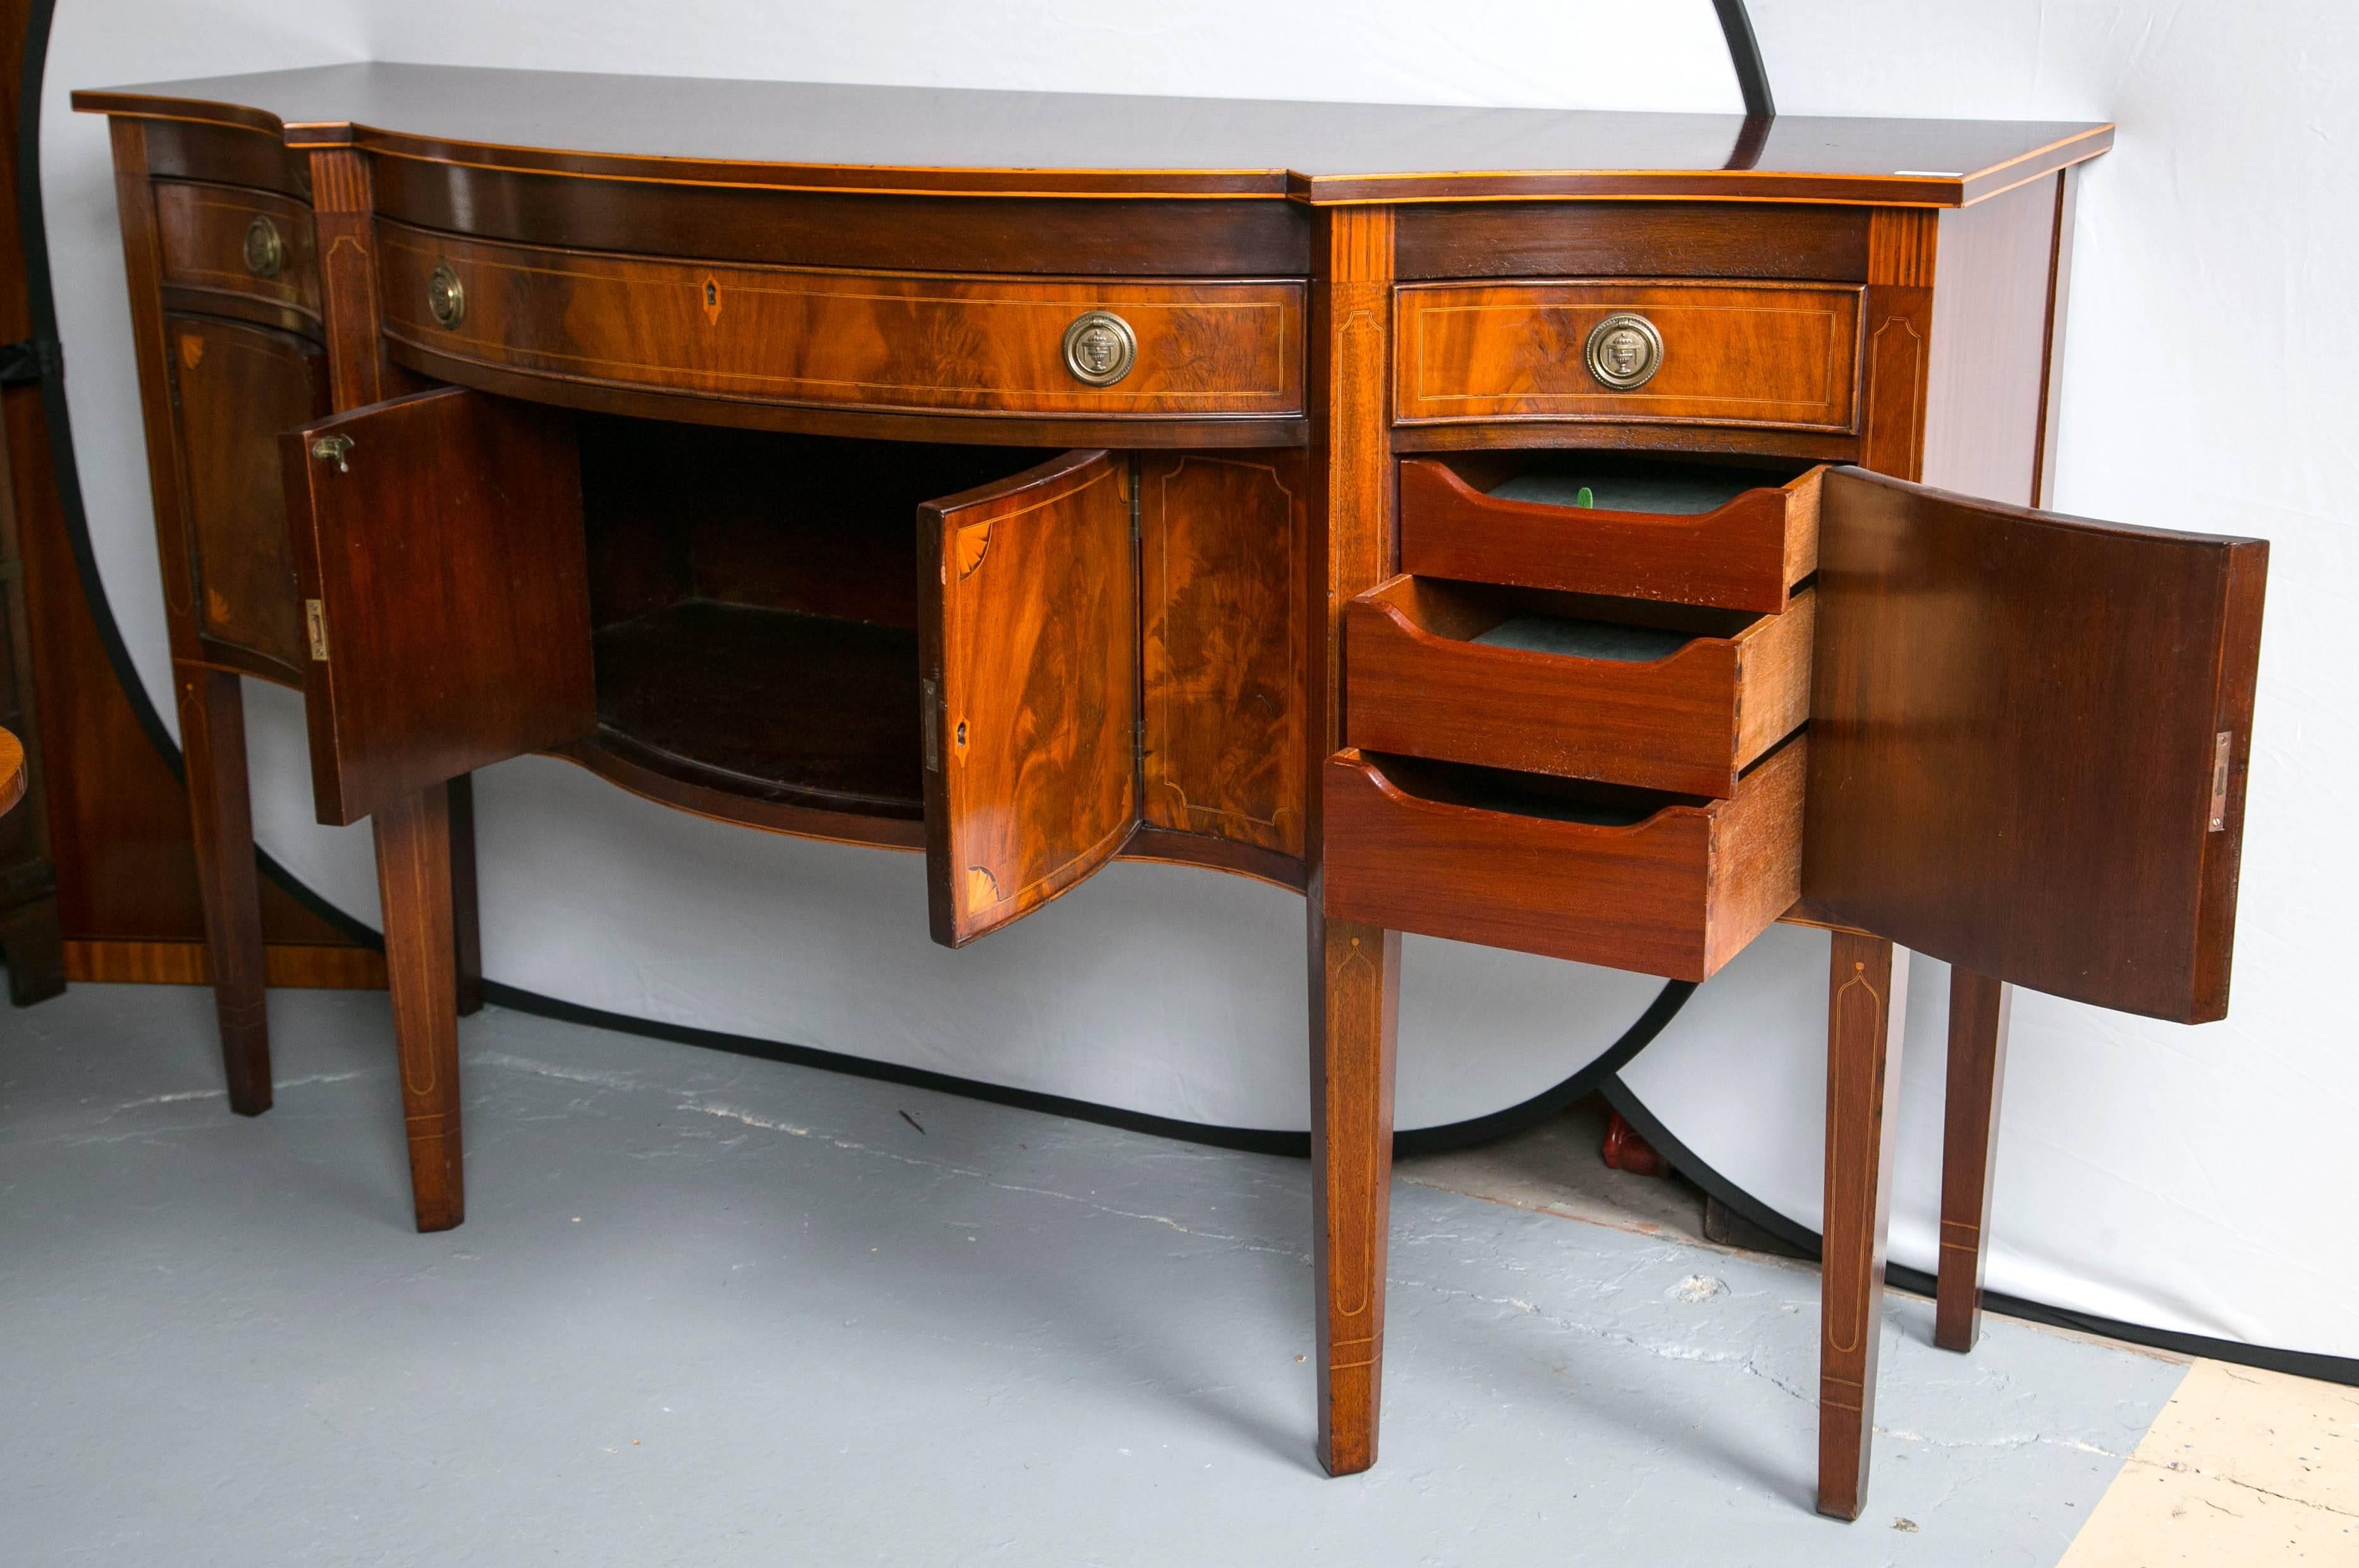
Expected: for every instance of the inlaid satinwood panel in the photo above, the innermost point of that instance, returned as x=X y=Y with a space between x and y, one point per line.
x=1028 y=688
x=234 y=388
x=1220 y=561
x=224 y=239
x=886 y=341
x=1761 y=353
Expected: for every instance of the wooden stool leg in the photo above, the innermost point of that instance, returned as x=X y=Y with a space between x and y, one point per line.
x=1867 y=998
x=466 y=934
x=1980 y=1009
x=212 y=739
x=35 y=944
x=1355 y=1007
x=413 y=869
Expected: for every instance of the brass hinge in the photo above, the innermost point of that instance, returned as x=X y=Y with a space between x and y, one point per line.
x=1138 y=741
x=315 y=620
x=930 y=698
x=2219 y=781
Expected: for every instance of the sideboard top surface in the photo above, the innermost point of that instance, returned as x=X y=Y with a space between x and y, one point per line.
x=958 y=140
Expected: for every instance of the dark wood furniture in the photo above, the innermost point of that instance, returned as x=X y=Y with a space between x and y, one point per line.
x=30 y=934
x=13 y=776
x=128 y=906
x=1034 y=480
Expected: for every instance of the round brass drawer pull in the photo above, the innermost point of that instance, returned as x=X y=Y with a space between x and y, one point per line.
x=1625 y=351
x=446 y=297
x=1100 y=348
x=265 y=253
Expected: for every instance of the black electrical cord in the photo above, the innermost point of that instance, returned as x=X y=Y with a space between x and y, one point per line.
x=1803 y=1240
x=1548 y=1103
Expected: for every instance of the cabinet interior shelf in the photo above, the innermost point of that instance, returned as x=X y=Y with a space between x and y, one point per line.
x=754 y=605
x=769 y=704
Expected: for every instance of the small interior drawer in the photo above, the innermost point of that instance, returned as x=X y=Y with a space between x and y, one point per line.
x=1626 y=878
x=1683 y=532
x=1661 y=697
x=223 y=239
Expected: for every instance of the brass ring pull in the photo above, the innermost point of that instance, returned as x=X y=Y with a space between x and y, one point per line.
x=446 y=297
x=265 y=253
x=1100 y=348
x=1624 y=351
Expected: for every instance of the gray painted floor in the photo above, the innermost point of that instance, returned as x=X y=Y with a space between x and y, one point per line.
x=719 y=1311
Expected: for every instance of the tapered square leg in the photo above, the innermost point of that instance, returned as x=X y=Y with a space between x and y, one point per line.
x=466 y=933
x=413 y=868
x=212 y=742
x=1354 y=1010
x=1980 y=1010
x=1867 y=998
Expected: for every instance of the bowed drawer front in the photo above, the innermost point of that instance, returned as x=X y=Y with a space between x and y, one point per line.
x=1759 y=353
x=221 y=239
x=884 y=340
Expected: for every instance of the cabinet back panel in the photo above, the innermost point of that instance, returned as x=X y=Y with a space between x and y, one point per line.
x=819 y=525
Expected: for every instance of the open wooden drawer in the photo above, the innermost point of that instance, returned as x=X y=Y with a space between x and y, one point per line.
x=1686 y=533
x=1665 y=885
x=2028 y=737
x=1658 y=696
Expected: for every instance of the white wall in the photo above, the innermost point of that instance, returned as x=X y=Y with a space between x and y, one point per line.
x=2173 y=1176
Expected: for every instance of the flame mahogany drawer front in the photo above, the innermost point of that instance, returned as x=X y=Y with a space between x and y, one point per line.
x=1682 y=701
x=1779 y=355
x=224 y=239
x=884 y=340
x=1462 y=519
x=1613 y=877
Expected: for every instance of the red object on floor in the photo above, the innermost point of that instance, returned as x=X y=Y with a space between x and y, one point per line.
x=1626 y=1151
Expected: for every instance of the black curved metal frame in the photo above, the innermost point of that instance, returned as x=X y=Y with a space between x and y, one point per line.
x=1745 y=54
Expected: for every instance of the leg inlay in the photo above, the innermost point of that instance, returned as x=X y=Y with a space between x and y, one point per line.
x=1980 y=1010
x=1867 y=990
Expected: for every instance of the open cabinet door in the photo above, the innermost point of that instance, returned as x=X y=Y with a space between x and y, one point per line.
x=440 y=552
x=1029 y=683
x=2028 y=741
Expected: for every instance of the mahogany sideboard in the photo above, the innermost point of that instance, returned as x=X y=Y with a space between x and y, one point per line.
x=1512 y=526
